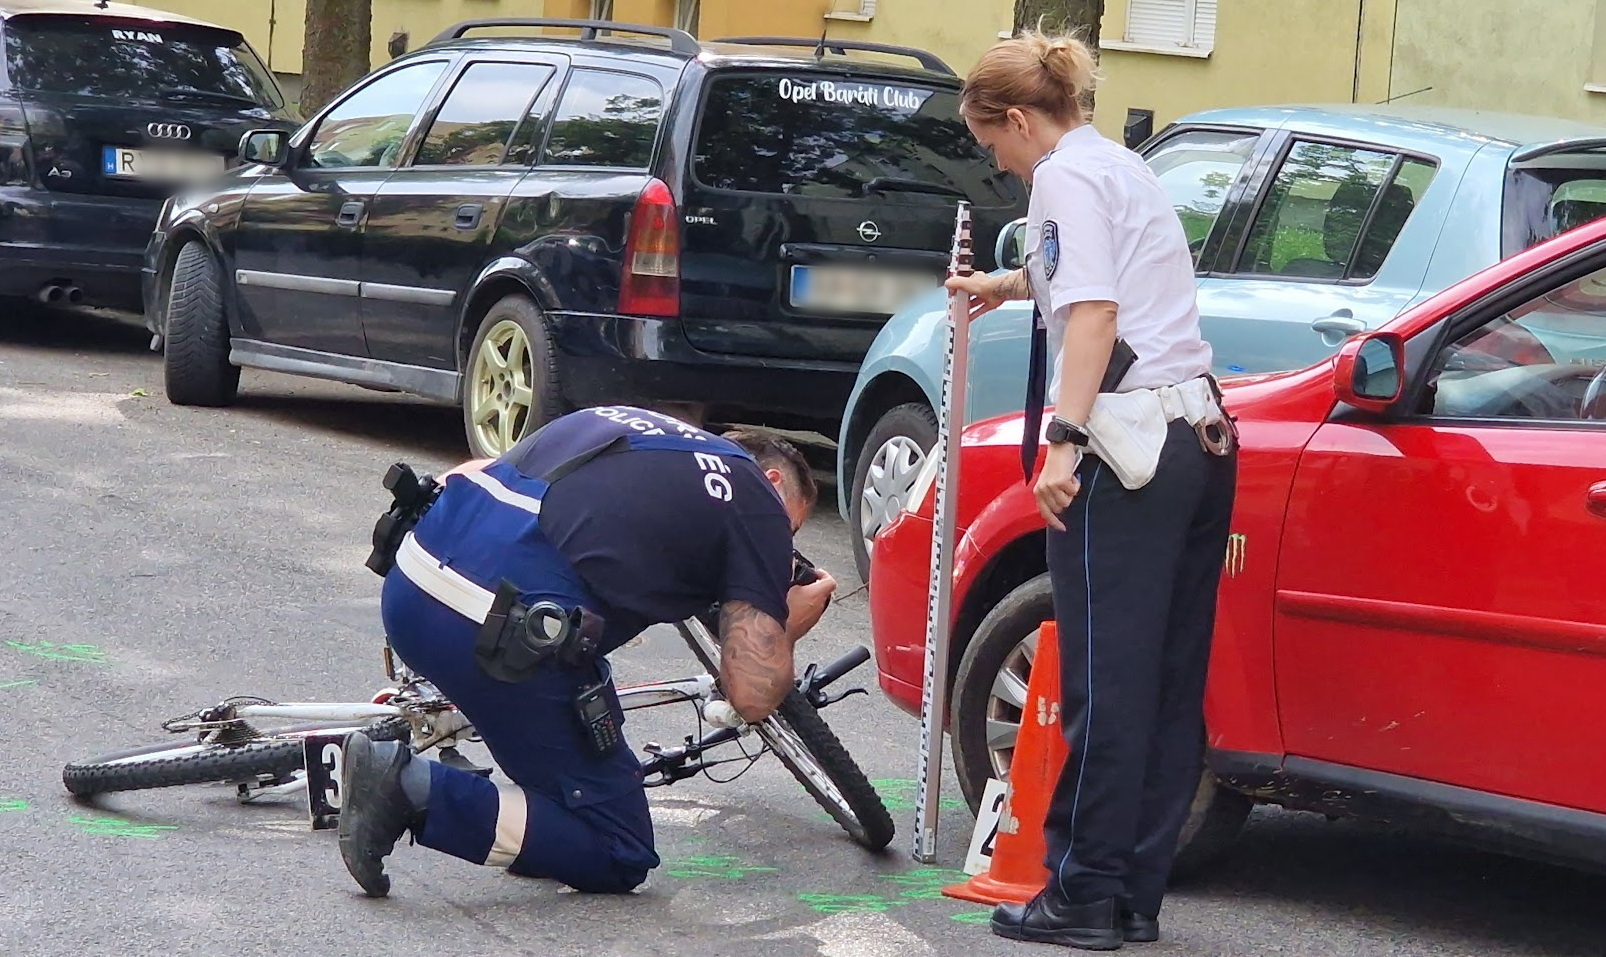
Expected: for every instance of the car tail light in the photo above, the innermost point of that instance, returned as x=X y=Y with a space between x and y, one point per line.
x=651 y=282
x=16 y=160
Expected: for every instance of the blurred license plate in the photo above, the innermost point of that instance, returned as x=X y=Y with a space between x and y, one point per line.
x=856 y=288
x=166 y=165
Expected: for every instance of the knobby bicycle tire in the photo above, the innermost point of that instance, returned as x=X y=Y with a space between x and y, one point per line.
x=274 y=756
x=856 y=806
x=859 y=810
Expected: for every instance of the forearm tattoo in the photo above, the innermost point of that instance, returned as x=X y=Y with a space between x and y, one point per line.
x=755 y=664
x=1015 y=285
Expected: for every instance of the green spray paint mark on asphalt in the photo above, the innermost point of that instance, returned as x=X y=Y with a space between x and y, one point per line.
x=974 y=917
x=715 y=867
x=899 y=794
x=12 y=804
x=18 y=683
x=926 y=883
x=112 y=827
x=88 y=654
x=850 y=903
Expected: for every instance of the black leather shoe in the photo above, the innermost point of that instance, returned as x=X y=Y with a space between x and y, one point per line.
x=1139 y=928
x=1046 y=919
x=374 y=810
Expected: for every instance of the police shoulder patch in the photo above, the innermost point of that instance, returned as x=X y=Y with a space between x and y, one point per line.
x=1051 y=247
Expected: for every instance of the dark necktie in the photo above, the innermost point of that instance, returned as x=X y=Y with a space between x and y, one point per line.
x=1036 y=392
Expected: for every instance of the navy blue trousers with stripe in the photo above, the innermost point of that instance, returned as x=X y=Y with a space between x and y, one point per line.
x=1134 y=577
x=570 y=814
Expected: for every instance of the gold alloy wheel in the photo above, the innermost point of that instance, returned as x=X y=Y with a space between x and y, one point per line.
x=500 y=394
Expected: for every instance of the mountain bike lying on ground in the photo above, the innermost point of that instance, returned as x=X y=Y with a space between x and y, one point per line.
x=228 y=746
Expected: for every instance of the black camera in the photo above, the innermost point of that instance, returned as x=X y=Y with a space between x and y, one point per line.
x=803 y=570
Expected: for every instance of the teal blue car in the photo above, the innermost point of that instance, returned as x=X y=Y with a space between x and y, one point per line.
x=1309 y=224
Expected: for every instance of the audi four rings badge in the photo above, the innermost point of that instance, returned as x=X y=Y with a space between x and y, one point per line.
x=869 y=232
x=168 y=131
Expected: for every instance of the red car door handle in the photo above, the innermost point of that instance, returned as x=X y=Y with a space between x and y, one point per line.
x=1596 y=499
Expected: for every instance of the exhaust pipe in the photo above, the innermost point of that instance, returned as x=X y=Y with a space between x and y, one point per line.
x=50 y=292
x=74 y=295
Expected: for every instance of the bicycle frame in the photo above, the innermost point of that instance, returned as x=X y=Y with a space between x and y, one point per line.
x=631 y=698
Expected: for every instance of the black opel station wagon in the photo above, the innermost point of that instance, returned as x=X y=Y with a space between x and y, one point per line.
x=526 y=224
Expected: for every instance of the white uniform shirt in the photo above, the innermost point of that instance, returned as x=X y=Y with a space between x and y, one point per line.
x=1100 y=227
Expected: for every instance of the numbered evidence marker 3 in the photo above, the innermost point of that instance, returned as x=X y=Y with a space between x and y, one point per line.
x=939 y=605
x=324 y=757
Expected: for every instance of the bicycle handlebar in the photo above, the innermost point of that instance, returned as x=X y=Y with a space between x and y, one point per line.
x=836 y=669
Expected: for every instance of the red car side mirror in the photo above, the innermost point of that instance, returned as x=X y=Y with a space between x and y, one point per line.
x=1369 y=373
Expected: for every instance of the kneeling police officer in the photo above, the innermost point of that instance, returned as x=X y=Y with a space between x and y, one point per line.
x=518 y=579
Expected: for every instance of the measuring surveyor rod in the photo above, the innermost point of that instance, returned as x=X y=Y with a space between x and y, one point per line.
x=939 y=595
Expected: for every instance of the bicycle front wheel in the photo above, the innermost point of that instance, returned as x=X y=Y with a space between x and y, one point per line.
x=272 y=757
x=810 y=750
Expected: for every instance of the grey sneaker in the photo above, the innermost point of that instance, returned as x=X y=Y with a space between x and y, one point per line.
x=374 y=810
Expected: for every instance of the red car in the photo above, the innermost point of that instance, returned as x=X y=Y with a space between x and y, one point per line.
x=1412 y=626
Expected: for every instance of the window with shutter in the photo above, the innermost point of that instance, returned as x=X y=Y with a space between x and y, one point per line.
x=602 y=9
x=1180 y=27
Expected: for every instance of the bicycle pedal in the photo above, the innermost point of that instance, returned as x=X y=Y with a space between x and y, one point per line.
x=453 y=758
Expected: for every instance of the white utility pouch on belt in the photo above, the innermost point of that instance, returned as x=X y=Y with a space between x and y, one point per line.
x=1127 y=430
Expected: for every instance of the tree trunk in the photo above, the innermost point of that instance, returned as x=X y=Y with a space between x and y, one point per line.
x=1079 y=17
x=1062 y=16
x=335 y=53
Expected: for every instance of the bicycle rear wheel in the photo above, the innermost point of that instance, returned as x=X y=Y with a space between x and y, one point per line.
x=272 y=757
x=810 y=750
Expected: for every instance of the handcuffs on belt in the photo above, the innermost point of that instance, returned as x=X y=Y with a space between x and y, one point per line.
x=1225 y=428
x=518 y=640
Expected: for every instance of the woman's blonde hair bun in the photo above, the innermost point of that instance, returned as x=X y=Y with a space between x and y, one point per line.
x=1053 y=73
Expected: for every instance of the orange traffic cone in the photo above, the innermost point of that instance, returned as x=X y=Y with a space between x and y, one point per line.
x=1016 y=872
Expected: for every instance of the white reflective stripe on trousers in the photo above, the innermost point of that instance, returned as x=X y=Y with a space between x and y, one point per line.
x=441 y=583
x=512 y=815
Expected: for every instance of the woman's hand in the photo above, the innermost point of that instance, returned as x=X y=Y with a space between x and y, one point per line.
x=986 y=292
x=1057 y=484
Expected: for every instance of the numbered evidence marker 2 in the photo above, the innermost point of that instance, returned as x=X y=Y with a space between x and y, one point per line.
x=324 y=755
x=939 y=604
x=994 y=806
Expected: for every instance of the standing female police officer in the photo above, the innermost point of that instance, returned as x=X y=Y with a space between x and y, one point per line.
x=1137 y=490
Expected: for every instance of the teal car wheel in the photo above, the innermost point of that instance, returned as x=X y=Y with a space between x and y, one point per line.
x=889 y=463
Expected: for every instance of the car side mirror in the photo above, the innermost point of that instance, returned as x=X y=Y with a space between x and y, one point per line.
x=1369 y=372
x=1010 y=252
x=267 y=147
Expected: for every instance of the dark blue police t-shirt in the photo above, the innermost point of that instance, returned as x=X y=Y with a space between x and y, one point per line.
x=660 y=535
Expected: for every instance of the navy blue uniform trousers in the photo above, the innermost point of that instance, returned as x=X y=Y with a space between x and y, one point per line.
x=575 y=816
x=1134 y=577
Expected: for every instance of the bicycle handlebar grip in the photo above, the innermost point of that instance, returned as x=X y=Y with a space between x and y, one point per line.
x=841 y=666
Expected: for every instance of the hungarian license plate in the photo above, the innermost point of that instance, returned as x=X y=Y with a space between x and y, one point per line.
x=857 y=288
x=187 y=166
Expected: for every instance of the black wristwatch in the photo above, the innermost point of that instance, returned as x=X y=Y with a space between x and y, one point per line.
x=1061 y=431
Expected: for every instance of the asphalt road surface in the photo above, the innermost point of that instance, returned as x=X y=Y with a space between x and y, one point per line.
x=158 y=559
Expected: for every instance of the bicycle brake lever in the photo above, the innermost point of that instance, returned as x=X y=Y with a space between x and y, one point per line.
x=820 y=699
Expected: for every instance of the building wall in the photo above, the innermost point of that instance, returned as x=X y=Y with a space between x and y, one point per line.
x=736 y=18
x=959 y=31
x=276 y=27
x=1523 y=56
x=1265 y=51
